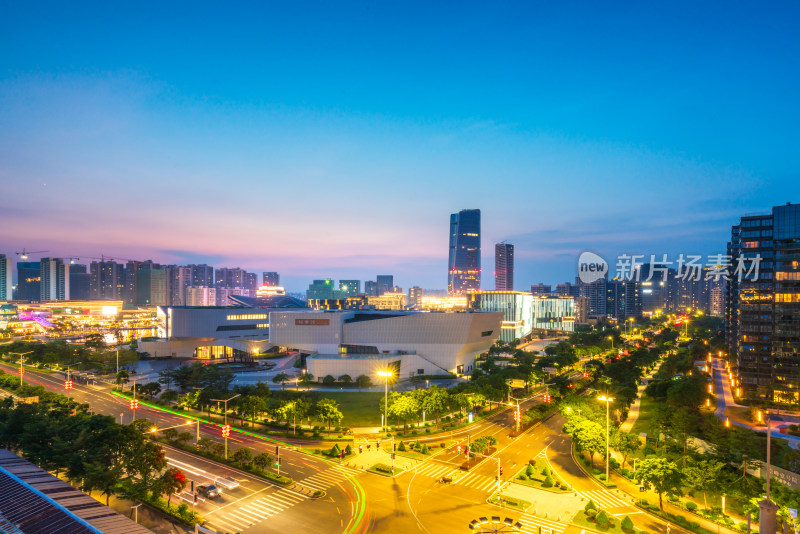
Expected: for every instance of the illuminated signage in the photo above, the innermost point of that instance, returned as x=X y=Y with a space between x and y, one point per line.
x=312 y=322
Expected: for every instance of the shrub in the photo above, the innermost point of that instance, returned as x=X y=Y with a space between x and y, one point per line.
x=590 y=506
x=522 y=477
x=427 y=430
x=443 y=445
x=596 y=471
x=602 y=519
x=691 y=506
x=548 y=482
x=530 y=471
x=348 y=450
x=424 y=449
x=545 y=471
x=401 y=447
x=601 y=477
x=627 y=524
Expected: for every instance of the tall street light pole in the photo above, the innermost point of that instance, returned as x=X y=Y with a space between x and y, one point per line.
x=226 y=419
x=385 y=375
x=608 y=401
x=21 y=360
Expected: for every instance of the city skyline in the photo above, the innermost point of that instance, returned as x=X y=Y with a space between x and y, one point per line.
x=595 y=144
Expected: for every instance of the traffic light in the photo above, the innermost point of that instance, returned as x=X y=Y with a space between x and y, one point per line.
x=585 y=374
x=360 y=449
x=134 y=404
x=466 y=451
x=226 y=430
x=570 y=385
x=501 y=470
x=459 y=449
x=547 y=399
x=277 y=451
x=278 y=462
x=68 y=384
x=378 y=444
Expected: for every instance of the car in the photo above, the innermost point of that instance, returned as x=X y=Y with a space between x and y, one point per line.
x=208 y=490
x=227 y=482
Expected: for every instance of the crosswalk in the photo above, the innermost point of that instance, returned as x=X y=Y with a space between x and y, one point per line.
x=254 y=512
x=325 y=479
x=470 y=480
x=539 y=525
x=604 y=499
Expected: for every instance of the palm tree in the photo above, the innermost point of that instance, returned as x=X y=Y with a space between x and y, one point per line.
x=280 y=378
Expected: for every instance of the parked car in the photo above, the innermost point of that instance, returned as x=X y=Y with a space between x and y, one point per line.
x=208 y=490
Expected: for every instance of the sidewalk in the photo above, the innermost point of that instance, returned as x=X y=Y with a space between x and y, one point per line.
x=633 y=412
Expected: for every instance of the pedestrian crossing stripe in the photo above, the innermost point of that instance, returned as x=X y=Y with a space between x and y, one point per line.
x=604 y=499
x=532 y=524
x=478 y=482
x=434 y=470
x=256 y=511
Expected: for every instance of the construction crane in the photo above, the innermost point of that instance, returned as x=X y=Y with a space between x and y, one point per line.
x=102 y=258
x=24 y=254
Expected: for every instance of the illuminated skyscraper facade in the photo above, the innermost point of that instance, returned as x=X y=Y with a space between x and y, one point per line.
x=464 y=265
x=503 y=267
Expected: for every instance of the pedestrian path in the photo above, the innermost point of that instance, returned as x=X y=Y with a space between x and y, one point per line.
x=330 y=477
x=539 y=525
x=604 y=499
x=254 y=512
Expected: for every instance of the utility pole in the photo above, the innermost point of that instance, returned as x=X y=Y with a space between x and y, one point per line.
x=21 y=359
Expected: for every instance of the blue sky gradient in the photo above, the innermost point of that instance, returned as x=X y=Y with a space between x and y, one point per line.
x=331 y=139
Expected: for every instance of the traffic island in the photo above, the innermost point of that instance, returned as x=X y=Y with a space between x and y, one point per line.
x=542 y=480
x=385 y=470
x=602 y=521
x=504 y=501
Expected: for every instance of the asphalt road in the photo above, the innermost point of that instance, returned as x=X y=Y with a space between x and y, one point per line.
x=245 y=509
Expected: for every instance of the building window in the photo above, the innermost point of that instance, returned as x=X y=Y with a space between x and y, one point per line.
x=487 y=333
x=420 y=371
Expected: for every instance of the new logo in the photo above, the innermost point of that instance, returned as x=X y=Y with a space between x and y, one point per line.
x=591 y=267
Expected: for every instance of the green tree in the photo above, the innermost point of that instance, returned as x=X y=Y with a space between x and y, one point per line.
x=170 y=434
x=682 y=423
x=626 y=443
x=328 y=380
x=403 y=406
x=328 y=411
x=142 y=425
x=602 y=519
x=590 y=506
x=627 y=524
x=589 y=437
x=122 y=377
x=206 y=444
x=169 y=396
x=243 y=456
x=703 y=475
x=436 y=401
x=402 y=447
x=218 y=448
x=346 y=380
x=424 y=448
x=660 y=474
x=306 y=379
x=364 y=382
x=184 y=437
x=280 y=378
x=262 y=461
x=253 y=406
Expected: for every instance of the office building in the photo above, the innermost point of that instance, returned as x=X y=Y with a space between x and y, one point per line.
x=6 y=278
x=503 y=267
x=79 y=282
x=349 y=288
x=388 y=301
x=371 y=288
x=464 y=262
x=415 y=296
x=385 y=283
x=224 y=294
x=716 y=298
x=321 y=289
x=271 y=279
x=105 y=280
x=28 y=281
x=623 y=299
x=251 y=283
x=202 y=275
x=596 y=294
x=568 y=290
x=131 y=291
x=54 y=276
x=541 y=289
x=762 y=309
x=554 y=313
x=516 y=306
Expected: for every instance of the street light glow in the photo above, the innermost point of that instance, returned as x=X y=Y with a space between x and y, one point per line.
x=385 y=374
x=605 y=399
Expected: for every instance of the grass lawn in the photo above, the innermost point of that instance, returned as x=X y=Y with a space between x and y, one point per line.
x=580 y=519
x=359 y=408
x=646 y=409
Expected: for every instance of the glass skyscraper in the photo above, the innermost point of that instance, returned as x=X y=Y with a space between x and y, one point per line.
x=503 y=267
x=464 y=265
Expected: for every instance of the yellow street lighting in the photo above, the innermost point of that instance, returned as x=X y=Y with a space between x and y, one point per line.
x=608 y=400
x=727 y=423
x=385 y=375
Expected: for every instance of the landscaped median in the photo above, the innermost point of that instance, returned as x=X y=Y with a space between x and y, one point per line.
x=385 y=470
x=509 y=502
x=593 y=518
x=543 y=479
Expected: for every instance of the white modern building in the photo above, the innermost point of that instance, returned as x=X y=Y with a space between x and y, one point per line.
x=524 y=312
x=350 y=342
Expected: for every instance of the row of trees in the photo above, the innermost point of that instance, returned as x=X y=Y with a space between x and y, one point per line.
x=89 y=356
x=93 y=451
x=434 y=402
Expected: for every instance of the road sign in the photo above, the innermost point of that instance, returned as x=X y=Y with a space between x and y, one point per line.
x=551 y=370
x=641 y=489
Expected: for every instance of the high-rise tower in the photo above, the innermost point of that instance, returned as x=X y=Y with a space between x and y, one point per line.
x=503 y=267
x=464 y=265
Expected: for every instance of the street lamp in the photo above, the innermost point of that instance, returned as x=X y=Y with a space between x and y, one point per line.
x=612 y=341
x=226 y=419
x=21 y=360
x=385 y=375
x=607 y=400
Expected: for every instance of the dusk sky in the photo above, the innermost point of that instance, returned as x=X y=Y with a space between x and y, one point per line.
x=334 y=139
